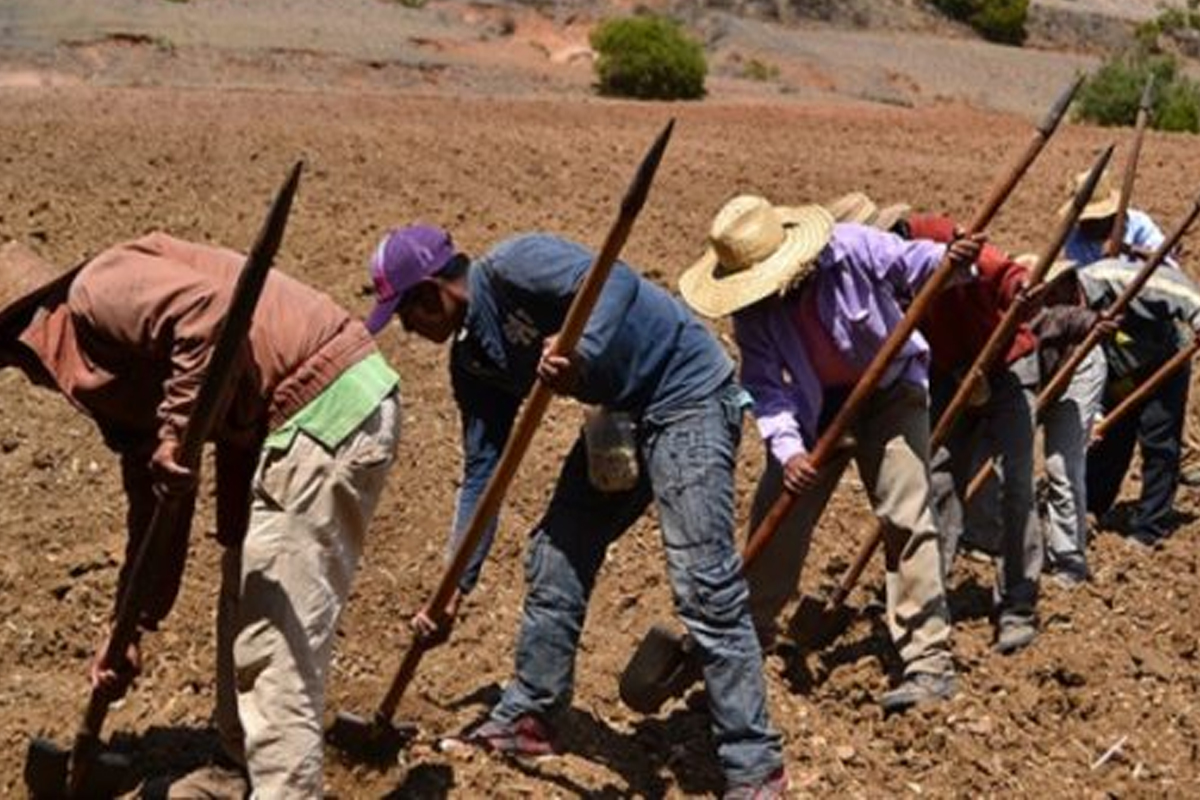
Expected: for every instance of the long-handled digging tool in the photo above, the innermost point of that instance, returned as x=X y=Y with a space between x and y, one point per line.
x=85 y=771
x=1116 y=237
x=819 y=621
x=1147 y=387
x=376 y=738
x=1066 y=371
x=661 y=666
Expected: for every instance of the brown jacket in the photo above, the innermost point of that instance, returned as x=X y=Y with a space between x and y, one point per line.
x=128 y=347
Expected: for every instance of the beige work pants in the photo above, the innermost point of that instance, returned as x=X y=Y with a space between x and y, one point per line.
x=892 y=455
x=282 y=592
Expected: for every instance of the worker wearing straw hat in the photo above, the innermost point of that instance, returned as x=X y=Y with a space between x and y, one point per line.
x=1064 y=320
x=1157 y=323
x=999 y=424
x=1087 y=241
x=812 y=302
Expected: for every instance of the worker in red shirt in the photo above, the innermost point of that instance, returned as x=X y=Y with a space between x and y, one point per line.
x=999 y=425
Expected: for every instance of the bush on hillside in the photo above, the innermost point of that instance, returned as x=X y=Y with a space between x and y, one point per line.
x=1173 y=30
x=1171 y=20
x=1110 y=96
x=1000 y=21
x=648 y=57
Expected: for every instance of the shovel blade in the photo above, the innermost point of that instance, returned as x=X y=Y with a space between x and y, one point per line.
x=46 y=769
x=48 y=773
x=373 y=740
x=663 y=666
x=817 y=624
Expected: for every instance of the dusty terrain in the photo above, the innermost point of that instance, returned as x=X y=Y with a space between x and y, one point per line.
x=197 y=146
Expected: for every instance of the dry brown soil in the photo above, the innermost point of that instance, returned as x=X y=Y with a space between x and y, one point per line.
x=82 y=166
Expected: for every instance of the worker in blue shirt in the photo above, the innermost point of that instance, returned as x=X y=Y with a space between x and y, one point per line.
x=1088 y=238
x=642 y=353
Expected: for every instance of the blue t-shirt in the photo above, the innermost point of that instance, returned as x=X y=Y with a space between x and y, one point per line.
x=643 y=352
x=1140 y=232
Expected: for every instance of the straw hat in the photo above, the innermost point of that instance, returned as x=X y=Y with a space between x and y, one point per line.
x=888 y=216
x=853 y=207
x=1062 y=268
x=755 y=250
x=1105 y=197
x=25 y=277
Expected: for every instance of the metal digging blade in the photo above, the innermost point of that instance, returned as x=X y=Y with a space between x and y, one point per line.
x=665 y=665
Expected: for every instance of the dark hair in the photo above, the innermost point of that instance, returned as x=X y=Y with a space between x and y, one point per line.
x=455 y=268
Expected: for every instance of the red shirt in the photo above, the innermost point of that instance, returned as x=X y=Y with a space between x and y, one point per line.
x=831 y=367
x=962 y=317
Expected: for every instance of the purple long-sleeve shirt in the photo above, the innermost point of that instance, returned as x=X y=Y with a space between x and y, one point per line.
x=864 y=279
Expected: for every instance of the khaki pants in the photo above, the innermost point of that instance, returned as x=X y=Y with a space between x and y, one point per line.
x=282 y=592
x=892 y=452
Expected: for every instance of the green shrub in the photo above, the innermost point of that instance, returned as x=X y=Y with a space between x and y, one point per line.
x=648 y=57
x=756 y=70
x=1178 y=106
x=1111 y=95
x=1000 y=21
x=1171 y=23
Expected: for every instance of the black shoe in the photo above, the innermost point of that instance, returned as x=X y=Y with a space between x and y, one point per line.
x=917 y=689
x=1148 y=541
x=1014 y=635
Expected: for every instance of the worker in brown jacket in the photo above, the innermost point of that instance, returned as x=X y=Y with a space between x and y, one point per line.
x=302 y=452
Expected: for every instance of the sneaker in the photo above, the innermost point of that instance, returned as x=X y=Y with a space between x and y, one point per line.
x=773 y=786
x=1014 y=635
x=213 y=782
x=1069 y=572
x=1144 y=539
x=526 y=736
x=918 y=688
x=1069 y=578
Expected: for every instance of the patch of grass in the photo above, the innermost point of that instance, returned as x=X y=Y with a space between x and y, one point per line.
x=757 y=70
x=1110 y=96
x=648 y=57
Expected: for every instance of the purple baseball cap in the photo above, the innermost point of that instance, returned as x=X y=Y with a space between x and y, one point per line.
x=404 y=258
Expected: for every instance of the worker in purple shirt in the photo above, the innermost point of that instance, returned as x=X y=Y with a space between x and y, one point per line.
x=812 y=303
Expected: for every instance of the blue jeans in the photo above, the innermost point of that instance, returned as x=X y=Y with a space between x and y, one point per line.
x=688 y=456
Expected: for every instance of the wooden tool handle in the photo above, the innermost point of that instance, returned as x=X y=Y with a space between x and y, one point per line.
x=870 y=379
x=1147 y=388
x=210 y=402
x=1116 y=237
x=531 y=414
x=1058 y=384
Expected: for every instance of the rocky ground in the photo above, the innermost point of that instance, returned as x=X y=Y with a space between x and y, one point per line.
x=108 y=137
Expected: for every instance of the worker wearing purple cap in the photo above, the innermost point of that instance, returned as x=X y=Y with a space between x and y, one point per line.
x=641 y=353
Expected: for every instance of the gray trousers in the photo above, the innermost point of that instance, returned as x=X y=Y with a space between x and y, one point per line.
x=1067 y=428
x=1002 y=519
